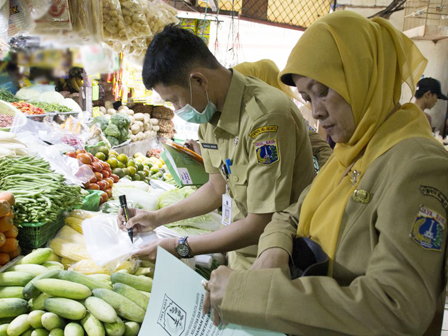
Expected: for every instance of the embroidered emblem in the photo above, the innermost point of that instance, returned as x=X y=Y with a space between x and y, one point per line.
x=361 y=196
x=430 y=191
x=267 y=151
x=427 y=230
x=263 y=129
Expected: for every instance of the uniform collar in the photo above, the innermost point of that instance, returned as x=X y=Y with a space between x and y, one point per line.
x=230 y=115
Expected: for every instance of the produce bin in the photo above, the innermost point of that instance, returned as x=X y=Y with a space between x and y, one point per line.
x=60 y=117
x=47 y=117
x=34 y=235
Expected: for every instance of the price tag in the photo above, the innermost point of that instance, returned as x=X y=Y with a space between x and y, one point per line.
x=226 y=209
x=185 y=176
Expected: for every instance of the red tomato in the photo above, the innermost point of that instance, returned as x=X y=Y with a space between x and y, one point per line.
x=103 y=185
x=97 y=167
x=106 y=165
x=105 y=173
x=98 y=176
x=104 y=198
x=115 y=177
x=71 y=154
x=86 y=185
x=91 y=156
x=80 y=151
x=84 y=158
x=108 y=192
x=94 y=186
x=93 y=180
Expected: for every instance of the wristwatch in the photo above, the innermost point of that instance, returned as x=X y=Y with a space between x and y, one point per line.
x=182 y=248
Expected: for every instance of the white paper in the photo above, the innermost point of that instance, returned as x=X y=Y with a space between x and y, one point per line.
x=185 y=176
x=175 y=308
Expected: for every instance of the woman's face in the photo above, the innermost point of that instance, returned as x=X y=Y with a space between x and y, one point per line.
x=328 y=106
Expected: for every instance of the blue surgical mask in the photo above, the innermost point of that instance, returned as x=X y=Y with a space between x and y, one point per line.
x=190 y=114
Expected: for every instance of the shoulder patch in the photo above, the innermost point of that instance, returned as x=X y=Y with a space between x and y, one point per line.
x=431 y=191
x=267 y=151
x=263 y=129
x=428 y=228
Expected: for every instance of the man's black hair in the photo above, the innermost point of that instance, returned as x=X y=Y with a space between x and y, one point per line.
x=171 y=56
x=420 y=93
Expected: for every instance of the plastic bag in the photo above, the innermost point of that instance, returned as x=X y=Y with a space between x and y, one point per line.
x=4 y=18
x=113 y=22
x=58 y=17
x=20 y=20
x=39 y=8
x=97 y=59
x=134 y=19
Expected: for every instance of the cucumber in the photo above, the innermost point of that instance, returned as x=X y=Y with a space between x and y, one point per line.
x=131 y=329
x=101 y=309
x=38 y=256
x=19 y=325
x=92 y=326
x=13 y=307
x=123 y=306
x=51 y=321
x=54 y=257
x=31 y=268
x=31 y=291
x=148 y=295
x=82 y=279
x=70 y=309
x=56 y=332
x=6 y=320
x=53 y=265
x=63 y=288
x=40 y=332
x=137 y=282
x=147 y=263
x=15 y=279
x=132 y=294
x=29 y=332
x=37 y=303
x=11 y=292
x=115 y=329
x=35 y=319
x=73 y=329
x=3 y=329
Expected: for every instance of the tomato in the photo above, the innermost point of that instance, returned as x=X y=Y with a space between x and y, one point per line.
x=97 y=167
x=86 y=185
x=80 y=151
x=94 y=186
x=84 y=158
x=115 y=177
x=71 y=154
x=93 y=180
x=98 y=176
x=105 y=173
x=90 y=156
x=104 y=198
x=106 y=165
x=108 y=192
x=103 y=185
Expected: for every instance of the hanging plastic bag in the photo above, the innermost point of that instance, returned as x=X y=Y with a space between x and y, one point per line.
x=38 y=8
x=113 y=22
x=97 y=59
x=134 y=19
x=20 y=21
x=58 y=17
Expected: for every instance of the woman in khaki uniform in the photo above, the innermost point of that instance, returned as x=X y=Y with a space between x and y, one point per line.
x=378 y=208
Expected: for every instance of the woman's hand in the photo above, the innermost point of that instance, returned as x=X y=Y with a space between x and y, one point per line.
x=217 y=287
x=149 y=251
x=139 y=220
x=273 y=258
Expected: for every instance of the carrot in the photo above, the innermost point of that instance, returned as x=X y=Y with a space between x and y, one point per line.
x=8 y=197
x=2 y=239
x=15 y=253
x=12 y=232
x=5 y=208
x=4 y=258
x=10 y=245
x=6 y=224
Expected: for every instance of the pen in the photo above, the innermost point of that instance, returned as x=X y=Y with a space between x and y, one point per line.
x=124 y=206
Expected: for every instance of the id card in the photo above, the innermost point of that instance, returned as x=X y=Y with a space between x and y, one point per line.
x=226 y=209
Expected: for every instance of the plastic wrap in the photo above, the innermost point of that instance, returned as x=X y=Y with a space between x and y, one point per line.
x=39 y=8
x=20 y=20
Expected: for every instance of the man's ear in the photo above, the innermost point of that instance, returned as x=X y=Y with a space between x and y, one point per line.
x=198 y=78
x=427 y=94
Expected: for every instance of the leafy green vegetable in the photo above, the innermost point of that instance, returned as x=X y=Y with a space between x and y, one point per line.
x=113 y=141
x=48 y=107
x=7 y=96
x=102 y=121
x=112 y=130
x=124 y=134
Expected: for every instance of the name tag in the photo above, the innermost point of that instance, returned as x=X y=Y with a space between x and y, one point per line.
x=226 y=209
x=209 y=146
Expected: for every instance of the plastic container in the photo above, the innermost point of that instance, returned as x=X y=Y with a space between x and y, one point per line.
x=47 y=117
x=34 y=235
x=8 y=109
x=60 y=117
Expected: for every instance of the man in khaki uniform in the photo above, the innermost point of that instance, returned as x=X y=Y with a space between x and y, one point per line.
x=254 y=143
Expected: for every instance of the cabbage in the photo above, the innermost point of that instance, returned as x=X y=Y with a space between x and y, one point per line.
x=27 y=94
x=51 y=97
x=210 y=221
x=72 y=105
x=136 y=194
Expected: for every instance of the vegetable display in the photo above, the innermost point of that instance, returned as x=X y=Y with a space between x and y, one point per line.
x=116 y=129
x=40 y=193
x=52 y=107
x=9 y=246
x=112 y=305
x=28 y=108
x=7 y=96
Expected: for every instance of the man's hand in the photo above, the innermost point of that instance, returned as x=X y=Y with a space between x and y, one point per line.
x=217 y=285
x=139 y=220
x=149 y=251
x=273 y=258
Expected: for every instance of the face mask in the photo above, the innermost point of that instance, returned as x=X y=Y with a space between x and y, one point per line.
x=190 y=114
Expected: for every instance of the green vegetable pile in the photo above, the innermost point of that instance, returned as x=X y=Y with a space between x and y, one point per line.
x=7 y=96
x=116 y=129
x=40 y=193
x=52 y=107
